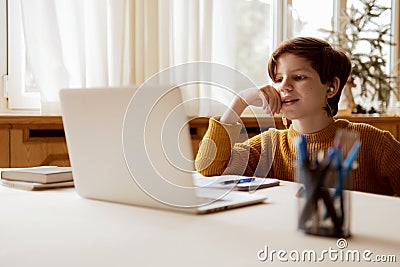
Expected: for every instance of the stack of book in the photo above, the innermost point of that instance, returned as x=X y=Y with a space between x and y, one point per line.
x=37 y=178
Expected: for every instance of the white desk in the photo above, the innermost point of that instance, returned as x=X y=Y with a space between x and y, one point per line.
x=59 y=228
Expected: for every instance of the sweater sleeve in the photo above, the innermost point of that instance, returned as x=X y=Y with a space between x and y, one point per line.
x=390 y=161
x=220 y=154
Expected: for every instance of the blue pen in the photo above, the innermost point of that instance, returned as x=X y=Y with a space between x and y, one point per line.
x=301 y=151
x=337 y=155
x=238 y=181
x=350 y=158
x=342 y=174
x=298 y=141
x=304 y=150
x=346 y=166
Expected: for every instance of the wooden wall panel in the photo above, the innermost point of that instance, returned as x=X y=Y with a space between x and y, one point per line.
x=39 y=140
x=4 y=147
x=36 y=145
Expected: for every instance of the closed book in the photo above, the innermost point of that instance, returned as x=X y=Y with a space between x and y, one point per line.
x=42 y=175
x=34 y=186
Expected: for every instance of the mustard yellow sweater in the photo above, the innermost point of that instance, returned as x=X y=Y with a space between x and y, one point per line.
x=272 y=154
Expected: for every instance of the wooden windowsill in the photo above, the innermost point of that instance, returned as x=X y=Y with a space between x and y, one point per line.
x=29 y=119
x=12 y=118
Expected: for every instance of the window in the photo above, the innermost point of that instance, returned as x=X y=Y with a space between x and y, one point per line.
x=306 y=21
x=254 y=31
x=21 y=90
x=259 y=26
x=262 y=24
x=3 y=47
x=256 y=38
x=384 y=19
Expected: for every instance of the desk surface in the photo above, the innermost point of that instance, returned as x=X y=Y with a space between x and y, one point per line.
x=59 y=228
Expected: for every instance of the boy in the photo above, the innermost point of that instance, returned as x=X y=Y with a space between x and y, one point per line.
x=309 y=75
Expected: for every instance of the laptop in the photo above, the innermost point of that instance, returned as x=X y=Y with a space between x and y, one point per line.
x=133 y=146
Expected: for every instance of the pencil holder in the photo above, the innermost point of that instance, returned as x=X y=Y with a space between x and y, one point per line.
x=324 y=204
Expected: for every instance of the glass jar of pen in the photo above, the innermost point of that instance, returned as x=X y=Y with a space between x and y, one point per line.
x=325 y=178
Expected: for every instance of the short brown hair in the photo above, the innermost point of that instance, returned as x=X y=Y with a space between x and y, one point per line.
x=329 y=62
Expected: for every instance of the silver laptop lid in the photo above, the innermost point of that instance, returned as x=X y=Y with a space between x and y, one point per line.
x=157 y=145
x=94 y=126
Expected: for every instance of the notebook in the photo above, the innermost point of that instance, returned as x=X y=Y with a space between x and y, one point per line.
x=133 y=146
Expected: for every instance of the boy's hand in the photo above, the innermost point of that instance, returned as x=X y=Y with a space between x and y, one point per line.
x=266 y=97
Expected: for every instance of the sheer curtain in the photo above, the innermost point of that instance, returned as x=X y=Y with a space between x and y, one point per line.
x=204 y=31
x=93 y=43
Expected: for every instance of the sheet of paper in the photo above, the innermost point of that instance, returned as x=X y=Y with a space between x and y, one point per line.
x=218 y=182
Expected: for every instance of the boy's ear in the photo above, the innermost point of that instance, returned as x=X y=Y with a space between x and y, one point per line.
x=334 y=87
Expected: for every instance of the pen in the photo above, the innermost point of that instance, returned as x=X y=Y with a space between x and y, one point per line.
x=344 y=169
x=238 y=181
x=343 y=174
x=350 y=158
x=300 y=191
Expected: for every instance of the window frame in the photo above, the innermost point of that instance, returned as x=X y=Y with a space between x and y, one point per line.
x=17 y=97
x=3 y=47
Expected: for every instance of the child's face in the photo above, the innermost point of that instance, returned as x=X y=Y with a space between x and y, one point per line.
x=302 y=93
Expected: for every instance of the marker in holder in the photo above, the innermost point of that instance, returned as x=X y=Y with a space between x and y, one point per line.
x=325 y=180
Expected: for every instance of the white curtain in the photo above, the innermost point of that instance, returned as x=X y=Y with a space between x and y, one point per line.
x=204 y=30
x=96 y=43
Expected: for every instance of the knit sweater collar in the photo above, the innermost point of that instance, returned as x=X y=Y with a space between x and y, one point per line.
x=326 y=134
